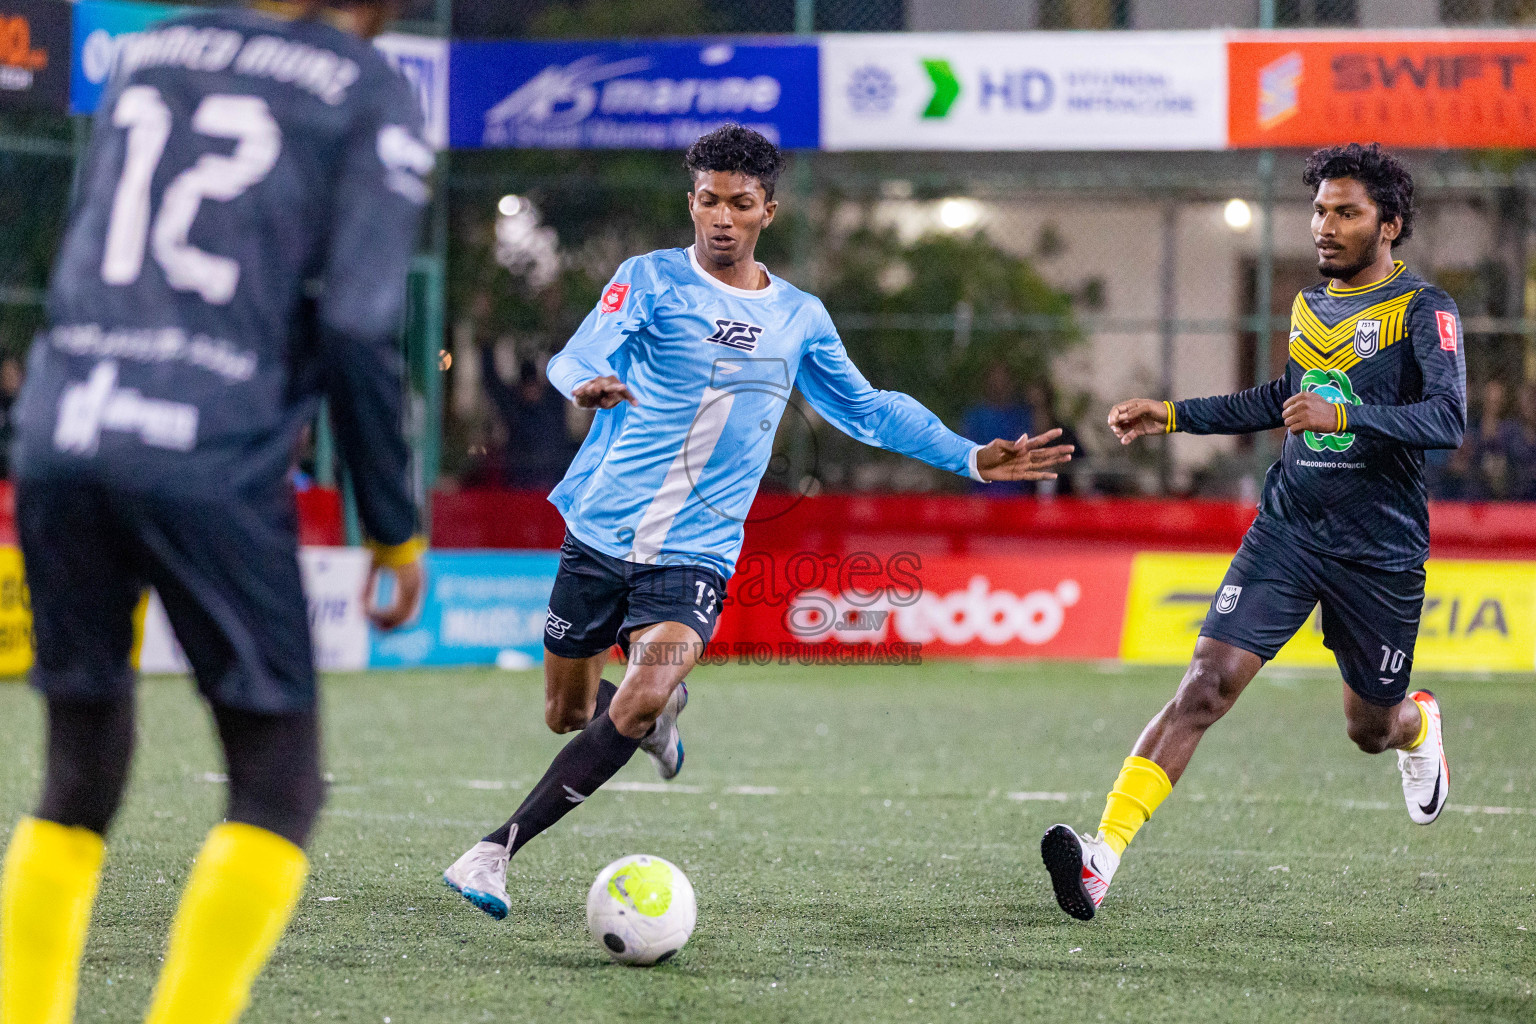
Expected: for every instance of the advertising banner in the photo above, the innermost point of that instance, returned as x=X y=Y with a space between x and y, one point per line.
x=490 y=608
x=98 y=25
x=1063 y=607
x=481 y=608
x=1024 y=91
x=333 y=584
x=15 y=615
x=1427 y=91
x=629 y=95
x=424 y=63
x=1478 y=616
x=34 y=54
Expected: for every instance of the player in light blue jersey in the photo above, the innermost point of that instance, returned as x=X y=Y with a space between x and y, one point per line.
x=690 y=356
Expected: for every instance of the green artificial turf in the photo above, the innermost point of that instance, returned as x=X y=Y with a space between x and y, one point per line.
x=864 y=843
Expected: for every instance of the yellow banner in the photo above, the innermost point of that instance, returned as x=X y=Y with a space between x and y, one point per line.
x=15 y=615
x=1478 y=616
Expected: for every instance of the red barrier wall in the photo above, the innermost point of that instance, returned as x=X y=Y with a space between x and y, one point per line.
x=319 y=516
x=928 y=524
x=933 y=524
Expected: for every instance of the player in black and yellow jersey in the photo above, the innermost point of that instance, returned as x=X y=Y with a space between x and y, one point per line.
x=1377 y=374
x=247 y=213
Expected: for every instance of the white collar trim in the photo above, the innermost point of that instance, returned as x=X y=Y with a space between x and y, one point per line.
x=745 y=293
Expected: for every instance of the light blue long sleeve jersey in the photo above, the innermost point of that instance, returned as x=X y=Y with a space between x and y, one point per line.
x=671 y=480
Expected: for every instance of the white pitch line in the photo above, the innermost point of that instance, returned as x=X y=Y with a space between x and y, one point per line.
x=652 y=787
x=1029 y=796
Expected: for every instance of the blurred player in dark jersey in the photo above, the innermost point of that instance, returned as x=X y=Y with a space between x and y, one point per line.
x=1377 y=375
x=248 y=208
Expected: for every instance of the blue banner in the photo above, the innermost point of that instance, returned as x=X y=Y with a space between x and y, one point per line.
x=481 y=608
x=98 y=24
x=630 y=95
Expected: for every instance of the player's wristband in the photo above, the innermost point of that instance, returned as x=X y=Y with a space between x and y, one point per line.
x=1343 y=418
x=393 y=556
x=970 y=466
x=1169 y=427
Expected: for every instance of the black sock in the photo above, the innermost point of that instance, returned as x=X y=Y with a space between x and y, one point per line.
x=605 y=692
x=591 y=759
x=274 y=770
x=90 y=746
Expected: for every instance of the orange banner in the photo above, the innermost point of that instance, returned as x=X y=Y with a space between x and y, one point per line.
x=1441 y=92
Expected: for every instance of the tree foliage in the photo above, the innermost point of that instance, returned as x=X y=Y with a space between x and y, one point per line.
x=933 y=314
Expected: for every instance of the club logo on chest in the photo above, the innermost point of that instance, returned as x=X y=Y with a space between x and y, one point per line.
x=737 y=334
x=1367 y=338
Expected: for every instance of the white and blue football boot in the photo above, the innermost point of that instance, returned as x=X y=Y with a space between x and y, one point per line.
x=664 y=744
x=480 y=876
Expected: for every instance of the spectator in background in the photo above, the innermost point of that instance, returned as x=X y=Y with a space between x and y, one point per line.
x=1000 y=413
x=1449 y=474
x=1517 y=440
x=539 y=446
x=1488 y=436
x=487 y=456
x=1042 y=402
x=11 y=376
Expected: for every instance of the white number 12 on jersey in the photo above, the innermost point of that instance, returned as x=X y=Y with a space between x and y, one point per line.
x=143 y=111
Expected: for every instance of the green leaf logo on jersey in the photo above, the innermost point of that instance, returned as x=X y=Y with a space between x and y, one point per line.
x=1333 y=385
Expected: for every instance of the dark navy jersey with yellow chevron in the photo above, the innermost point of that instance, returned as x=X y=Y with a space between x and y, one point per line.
x=1391 y=357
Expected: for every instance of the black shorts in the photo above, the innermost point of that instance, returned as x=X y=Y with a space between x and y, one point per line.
x=1370 y=616
x=227 y=572
x=598 y=600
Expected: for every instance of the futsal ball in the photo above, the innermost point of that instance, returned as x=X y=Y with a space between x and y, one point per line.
x=641 y=910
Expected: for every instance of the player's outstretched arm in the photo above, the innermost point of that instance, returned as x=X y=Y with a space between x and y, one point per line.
x=882 y=419
x=1028 y=458
x=1259 y=408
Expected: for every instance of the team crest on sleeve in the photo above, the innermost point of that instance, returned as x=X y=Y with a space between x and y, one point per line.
x=1227 y=599
x=737 y=334
x=613 y=298
x=1367 y=338
x=1446 y=321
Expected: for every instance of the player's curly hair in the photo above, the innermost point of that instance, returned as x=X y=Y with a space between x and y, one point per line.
x=732 y=147
x=1386 y=181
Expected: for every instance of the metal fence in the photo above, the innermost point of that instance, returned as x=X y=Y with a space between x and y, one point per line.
x=1153 y=271
x=1121 y=246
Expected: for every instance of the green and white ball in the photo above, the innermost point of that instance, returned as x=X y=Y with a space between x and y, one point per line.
x=641 y=910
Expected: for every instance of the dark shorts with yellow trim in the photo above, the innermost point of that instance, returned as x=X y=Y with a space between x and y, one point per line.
x=227 y=571
x=1370 y=617
x=598 y=600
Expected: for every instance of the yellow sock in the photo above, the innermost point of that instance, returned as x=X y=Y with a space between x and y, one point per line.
x=1142 y=785
x=49 y=884
x=242 y=891
x=1423 y=727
